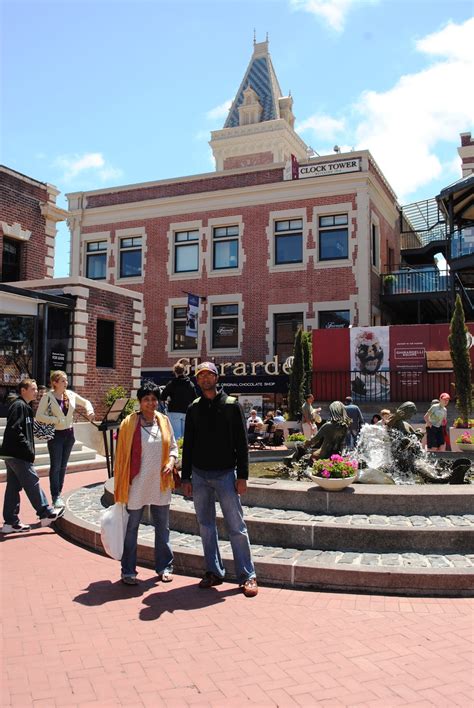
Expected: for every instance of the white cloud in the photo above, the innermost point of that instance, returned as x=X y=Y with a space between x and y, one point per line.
x=324 y=127
x=219 y=111
x=333 y=12
x=92 y=163
x=405 y=126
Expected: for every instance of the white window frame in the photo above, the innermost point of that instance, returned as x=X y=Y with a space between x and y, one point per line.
x=169 y=319
x=333 y=210
x=230 y=299
x=281 y=310
x=120 y=234
x=209 y=255
x=174 y=228
x=92 y=238
x=375 y=258
x=286 y=215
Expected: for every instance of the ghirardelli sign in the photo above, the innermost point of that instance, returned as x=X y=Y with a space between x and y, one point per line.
x=243 y=368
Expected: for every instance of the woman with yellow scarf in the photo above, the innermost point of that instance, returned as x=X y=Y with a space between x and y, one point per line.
x=144 y=462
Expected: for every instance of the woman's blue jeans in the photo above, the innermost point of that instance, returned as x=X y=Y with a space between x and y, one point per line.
x=59 y=452
x=206 y=486
x=163 y=552
x=177 y=423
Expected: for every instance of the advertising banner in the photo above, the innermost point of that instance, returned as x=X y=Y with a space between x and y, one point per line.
x=192 y=316
x=370 y=359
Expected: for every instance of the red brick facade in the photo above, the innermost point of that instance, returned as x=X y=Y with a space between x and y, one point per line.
x=21 y=199
x=260 y=288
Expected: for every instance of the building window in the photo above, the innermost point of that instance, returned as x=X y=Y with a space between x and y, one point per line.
x=289 y=241
x=105 y=344
x=225 y=326
x=11 y=260
x=96 y=260
x=186 y=251
x=225 y=253
x=285 y=327
x=334 y=319
x=131 y=257
x=333 y=237
x=375 y=246
x=180 y=340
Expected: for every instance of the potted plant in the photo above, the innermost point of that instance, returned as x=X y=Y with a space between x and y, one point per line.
x=294 y=438
x=465 y=442
x=389 y=283
x=335 y=473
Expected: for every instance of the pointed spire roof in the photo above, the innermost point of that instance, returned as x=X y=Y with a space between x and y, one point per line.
x=261 y=77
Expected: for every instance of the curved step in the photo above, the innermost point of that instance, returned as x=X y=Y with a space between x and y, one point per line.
x=402 y=573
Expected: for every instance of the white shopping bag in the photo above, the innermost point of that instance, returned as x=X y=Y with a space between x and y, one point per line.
x=113 y=526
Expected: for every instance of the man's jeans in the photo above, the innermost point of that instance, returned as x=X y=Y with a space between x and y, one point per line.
x=59 y=451
x=206 y=486
x=177 y=423
x=163 y=552
x=22 y=475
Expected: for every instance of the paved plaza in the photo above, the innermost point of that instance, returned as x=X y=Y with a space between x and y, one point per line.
x=75 y=636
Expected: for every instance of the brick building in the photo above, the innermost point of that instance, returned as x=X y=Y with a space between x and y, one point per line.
x=90 y=329
x=272 y=240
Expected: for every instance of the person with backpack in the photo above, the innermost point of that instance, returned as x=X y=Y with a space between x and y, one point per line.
x=179 y=393
x=216 y=463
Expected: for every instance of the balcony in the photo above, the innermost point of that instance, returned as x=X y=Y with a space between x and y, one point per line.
x=415 y=281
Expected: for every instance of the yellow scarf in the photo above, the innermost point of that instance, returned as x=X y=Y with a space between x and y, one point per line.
x=124 y=451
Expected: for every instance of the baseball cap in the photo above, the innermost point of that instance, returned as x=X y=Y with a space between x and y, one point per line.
x=207 y=366
x=445 y=395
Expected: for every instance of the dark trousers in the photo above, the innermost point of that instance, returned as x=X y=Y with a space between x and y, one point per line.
x=22 y=475
x=59 y=451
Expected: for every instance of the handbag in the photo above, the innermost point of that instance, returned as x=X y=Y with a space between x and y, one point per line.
x=43 y=431
x=113 y=527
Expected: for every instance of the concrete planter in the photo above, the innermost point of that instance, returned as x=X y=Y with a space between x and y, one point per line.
x=454 y=434
x=335 y=484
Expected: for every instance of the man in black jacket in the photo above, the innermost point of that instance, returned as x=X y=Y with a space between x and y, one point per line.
x=19 y=450
x=216 y=463
x=179 y=392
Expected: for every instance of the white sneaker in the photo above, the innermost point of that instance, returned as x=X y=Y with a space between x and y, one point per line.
x=15 y=528
x=52 y=517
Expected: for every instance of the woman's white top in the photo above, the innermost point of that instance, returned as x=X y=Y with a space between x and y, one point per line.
x=49 y=410
x=145 y=487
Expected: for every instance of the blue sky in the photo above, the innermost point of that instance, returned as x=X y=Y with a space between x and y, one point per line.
x=97 y=93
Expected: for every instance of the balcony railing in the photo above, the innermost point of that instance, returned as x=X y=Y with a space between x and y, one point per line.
x=462 y=243
x=384 y=386
x=429 y=280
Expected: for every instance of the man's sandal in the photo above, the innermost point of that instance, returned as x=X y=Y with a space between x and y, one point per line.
x=209 y=580
x=165 y=577
x=250 y=587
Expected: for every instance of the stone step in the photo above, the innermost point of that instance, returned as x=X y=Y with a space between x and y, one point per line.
x=315 y=568
x=82 y=459
x=356 y=532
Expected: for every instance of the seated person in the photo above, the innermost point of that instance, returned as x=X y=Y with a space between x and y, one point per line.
x=278 y=417
x=376 y=418
x=329 y=440
x=253 y=420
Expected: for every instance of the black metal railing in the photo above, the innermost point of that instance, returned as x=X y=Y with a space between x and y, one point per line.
x=384 y=386
x=426 y=280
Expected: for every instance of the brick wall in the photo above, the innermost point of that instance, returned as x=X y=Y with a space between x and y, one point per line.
x=20 y=203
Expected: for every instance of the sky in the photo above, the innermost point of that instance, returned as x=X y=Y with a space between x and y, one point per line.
x=98 y=93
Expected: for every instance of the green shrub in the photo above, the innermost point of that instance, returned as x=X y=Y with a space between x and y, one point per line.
x=116 y=392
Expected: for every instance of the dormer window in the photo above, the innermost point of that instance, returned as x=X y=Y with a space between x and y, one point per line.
x=250 y=110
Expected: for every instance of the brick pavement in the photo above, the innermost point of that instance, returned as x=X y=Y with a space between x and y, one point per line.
x=74 y=636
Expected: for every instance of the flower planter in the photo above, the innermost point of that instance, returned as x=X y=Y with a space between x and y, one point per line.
x=454 y=434
x=334 y=484
x=466 y=447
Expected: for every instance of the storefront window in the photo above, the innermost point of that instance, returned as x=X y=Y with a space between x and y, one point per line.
x=180 y=340
x=16 y=348
x=334 y=319
x=285 y=327
x=225 y=326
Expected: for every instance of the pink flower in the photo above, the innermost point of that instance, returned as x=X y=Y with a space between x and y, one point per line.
x=325 y=473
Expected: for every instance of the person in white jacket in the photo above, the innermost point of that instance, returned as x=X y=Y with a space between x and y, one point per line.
x=57 y=407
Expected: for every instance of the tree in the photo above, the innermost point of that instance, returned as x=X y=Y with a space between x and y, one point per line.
x=297 y=377
x=461 y=361
x=307 y=361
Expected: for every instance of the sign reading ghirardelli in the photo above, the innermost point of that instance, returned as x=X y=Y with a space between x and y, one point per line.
x=242 y=368
x=329 y=168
